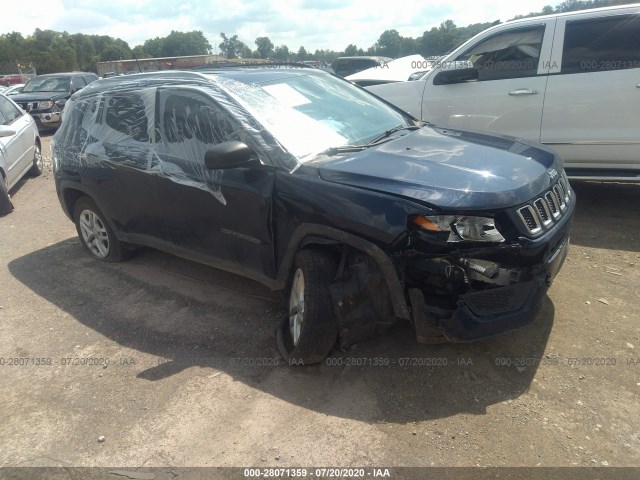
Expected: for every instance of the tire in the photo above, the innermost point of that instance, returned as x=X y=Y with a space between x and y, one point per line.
x=310 y=330
x=95 y=234
x=38 y=162
x=6 y=207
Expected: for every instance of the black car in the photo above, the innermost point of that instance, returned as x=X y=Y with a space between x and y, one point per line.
x=44 y=96
x=345 y=66
x=303 y=181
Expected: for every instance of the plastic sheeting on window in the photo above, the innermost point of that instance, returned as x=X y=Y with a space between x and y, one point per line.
x=527 y=41
x=162 y=128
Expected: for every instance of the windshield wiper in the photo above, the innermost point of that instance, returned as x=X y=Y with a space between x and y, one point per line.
x=376 y=141
x=391 y=131
x=343 y=149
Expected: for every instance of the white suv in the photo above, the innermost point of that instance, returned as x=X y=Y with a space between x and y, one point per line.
x=570 y=81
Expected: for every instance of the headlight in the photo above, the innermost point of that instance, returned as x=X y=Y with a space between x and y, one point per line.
x=461 y=229
x=46 y=105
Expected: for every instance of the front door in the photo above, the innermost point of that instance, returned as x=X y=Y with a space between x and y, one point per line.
x=509 y=93
x=217 y=216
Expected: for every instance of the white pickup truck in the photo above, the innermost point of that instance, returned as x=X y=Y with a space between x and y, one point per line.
x=569 y=81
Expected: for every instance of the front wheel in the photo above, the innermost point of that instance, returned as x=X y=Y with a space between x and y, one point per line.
x=95 y=234
x=310 y=330
x=6 y=207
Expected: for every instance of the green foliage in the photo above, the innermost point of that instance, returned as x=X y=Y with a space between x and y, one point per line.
x=351 y=50
x=49 y=51
x=231 y=47
x=176 y=44
x=302 y=54
x=264 y=47
x=282 y=53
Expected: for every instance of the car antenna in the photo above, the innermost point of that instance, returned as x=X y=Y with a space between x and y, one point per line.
x=137 y=62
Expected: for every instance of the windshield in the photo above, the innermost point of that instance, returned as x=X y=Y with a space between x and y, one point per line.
x=48 y=84
x=308 y=114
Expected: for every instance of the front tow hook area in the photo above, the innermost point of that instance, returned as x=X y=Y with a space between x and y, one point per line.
x=479 y=314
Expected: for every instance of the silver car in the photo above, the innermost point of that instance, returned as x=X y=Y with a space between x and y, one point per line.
x=20 y=148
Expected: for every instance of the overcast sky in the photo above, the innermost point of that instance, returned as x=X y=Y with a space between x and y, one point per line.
x=315 y=24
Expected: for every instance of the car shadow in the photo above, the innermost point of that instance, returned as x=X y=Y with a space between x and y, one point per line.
x=607 y=216
x=185 y=315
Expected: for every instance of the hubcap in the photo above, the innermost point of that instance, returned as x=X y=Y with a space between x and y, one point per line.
x=94 y=233
x=37 y=156
x=296 y=306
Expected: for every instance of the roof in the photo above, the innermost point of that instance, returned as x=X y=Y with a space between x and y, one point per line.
x=576 y=12
x=65 y=74
x=244 y=74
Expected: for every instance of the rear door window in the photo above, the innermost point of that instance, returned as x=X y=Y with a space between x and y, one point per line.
x=125 y=131
x=126 y=113
x=602 y=44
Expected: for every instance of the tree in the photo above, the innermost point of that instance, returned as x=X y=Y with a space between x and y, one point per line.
x=302 y=54
x=245 y=51
x=439 y=41
x=178 y=44
x=351 y=50
x=86 y=55
x=389 y=44
x=264 y=47
x=151 y=48
x=113 y=53
x=231 y=47
x=281 y=53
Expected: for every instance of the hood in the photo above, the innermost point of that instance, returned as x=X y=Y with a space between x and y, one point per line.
x=448 y=169
x=397 y=70
x=39 y=96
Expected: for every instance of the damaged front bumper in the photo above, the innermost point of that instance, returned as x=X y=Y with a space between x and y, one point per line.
x=486 y=313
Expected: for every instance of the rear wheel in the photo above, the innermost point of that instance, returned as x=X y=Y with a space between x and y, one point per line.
x=310 y=330
x=38 y=164
x=95 y=234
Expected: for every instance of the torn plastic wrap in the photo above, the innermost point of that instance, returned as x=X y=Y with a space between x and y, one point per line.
x=165 y=130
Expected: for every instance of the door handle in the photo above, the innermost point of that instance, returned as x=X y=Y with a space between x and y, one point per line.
x=524 y=91
x=637 y=85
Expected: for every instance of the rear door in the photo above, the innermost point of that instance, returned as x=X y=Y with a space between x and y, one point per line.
x=508 y=95
x=592 y=108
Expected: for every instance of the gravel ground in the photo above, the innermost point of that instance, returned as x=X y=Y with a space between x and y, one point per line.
x=193 y=377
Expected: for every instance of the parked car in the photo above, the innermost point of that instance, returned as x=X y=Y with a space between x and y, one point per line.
x=411 y=67
x=8 y=80
x=345 y=66
x=44 y=96
x=303 y=181
x=13 y=89
x=20 y=149
x=570 y=81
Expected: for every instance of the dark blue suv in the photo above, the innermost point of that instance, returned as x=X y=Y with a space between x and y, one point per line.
x=302 y=181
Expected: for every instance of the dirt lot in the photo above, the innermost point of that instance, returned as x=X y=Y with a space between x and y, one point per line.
x=191 y=379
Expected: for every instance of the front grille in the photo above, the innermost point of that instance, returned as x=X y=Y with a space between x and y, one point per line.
x=530 y=219
x=543 y=212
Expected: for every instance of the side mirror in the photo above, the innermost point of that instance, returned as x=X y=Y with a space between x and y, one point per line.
x=6 y=131
x=231 y=154
x=451 y=77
